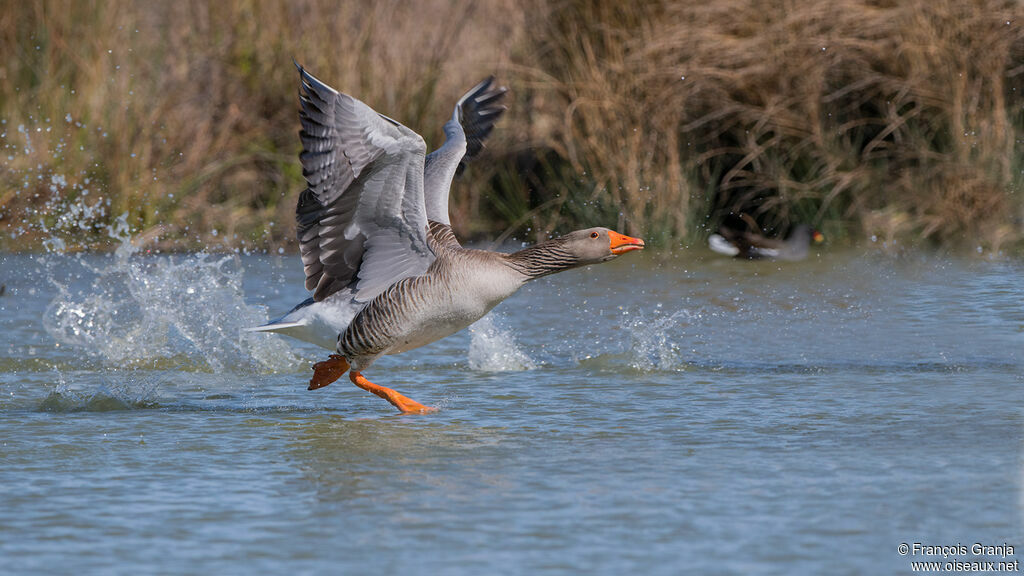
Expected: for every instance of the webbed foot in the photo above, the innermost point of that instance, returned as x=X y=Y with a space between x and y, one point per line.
x=327 y=371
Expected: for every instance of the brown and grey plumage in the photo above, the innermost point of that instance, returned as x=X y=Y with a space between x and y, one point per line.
x=386 y=271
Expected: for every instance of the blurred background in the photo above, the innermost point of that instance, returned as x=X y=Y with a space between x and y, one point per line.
x=896 y=122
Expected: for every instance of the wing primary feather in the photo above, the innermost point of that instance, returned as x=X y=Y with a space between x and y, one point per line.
x=472 y=121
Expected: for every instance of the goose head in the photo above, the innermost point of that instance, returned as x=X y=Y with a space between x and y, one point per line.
x=579 y=248
x=595 y=245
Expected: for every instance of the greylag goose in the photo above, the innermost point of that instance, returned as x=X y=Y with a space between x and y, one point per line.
x=386 y=271
x=752 y=245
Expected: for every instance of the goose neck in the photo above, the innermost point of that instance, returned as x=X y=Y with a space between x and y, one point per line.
x=542 y=259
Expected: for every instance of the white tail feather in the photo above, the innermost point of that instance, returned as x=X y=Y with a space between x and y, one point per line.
x=276 y=326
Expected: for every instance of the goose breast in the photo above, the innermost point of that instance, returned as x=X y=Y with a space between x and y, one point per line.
x=457 y=290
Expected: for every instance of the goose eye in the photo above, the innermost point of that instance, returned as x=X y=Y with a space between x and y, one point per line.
x=594 y=234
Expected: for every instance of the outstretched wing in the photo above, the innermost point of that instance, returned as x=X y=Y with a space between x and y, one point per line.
x=362 y=222
x=471 y=123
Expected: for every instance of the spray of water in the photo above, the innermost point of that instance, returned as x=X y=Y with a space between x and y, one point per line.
x=139 y=310
x=654 y=339
x=120 y=390
x=494 y=349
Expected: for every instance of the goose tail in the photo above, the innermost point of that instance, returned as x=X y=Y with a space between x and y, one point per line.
x=289 y=320
x=277 y=326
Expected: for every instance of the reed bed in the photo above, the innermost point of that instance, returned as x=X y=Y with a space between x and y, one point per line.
x=900 y=122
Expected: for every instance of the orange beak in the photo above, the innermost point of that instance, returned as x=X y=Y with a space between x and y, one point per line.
x=620 y=243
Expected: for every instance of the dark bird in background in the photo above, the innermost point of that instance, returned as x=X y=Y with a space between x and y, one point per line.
x=752 y=244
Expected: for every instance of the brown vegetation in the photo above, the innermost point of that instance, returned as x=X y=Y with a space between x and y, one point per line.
x=899 y=120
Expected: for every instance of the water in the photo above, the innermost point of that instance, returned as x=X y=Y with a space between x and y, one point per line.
x=654 y=415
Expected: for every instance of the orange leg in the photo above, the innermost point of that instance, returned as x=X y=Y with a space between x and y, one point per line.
x=397 y=400
x=327 y=371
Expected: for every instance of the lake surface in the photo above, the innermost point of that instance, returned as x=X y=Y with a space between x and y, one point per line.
x=660 y=414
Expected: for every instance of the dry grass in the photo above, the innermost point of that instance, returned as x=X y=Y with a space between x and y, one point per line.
x=855 y=115
x=184 y=114
x=900 y=120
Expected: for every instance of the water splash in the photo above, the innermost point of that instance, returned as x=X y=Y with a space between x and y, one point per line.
x=138 y=309
x=120 y=390
x=654 y=340
x=493 y=348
